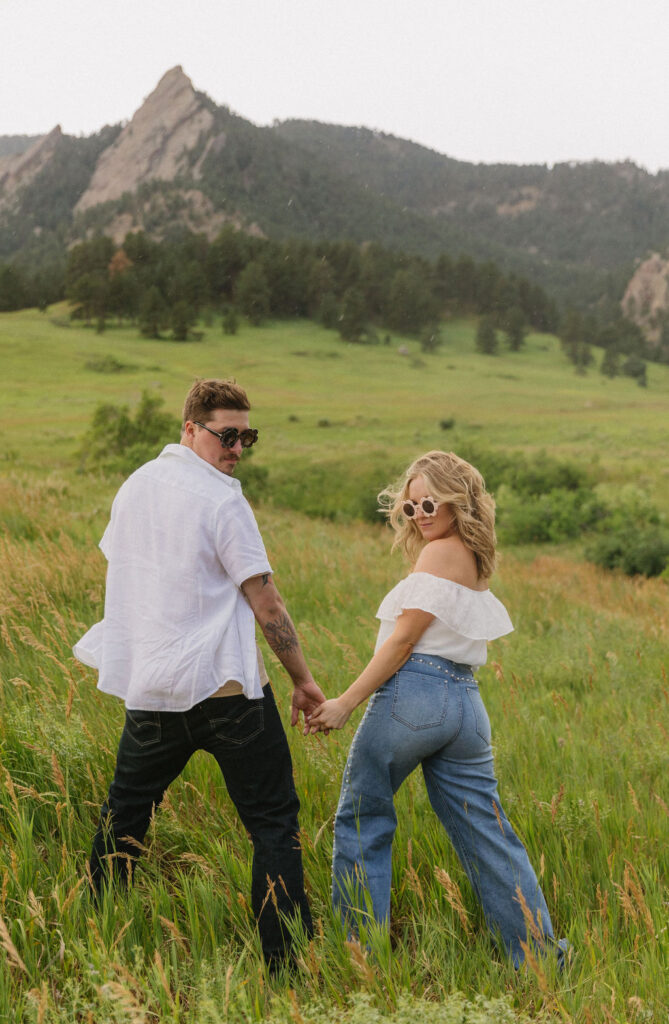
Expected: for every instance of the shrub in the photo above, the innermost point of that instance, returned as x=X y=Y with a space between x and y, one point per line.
x=637 y=551
x=329 y=490
x=528 y=475
x=254 y=479
x=557 y=515
x=629 y=504
x=230 y=321
x=117 y=442
x=108 y=364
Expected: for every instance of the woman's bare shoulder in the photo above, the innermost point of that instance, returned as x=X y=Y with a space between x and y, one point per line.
x=451 y=559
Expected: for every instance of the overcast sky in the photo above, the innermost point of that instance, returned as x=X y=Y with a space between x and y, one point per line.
x=514 y=81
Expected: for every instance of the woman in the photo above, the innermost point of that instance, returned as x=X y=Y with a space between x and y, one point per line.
x=425 y=708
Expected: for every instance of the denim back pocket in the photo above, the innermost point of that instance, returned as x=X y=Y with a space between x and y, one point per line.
x=235 y=725
x=419 y=701
x=143 y=727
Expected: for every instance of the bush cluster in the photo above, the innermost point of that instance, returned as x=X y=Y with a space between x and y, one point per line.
x=330 y=491
x=633 y=536
x=545 y=500
x=637 y=551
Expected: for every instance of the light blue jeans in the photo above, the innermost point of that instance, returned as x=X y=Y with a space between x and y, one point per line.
x=431 y=713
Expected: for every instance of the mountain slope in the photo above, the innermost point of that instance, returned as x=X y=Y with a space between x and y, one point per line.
x=185 y=162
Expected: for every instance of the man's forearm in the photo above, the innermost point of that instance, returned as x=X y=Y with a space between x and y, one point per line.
x=277 y=627
x=280 y=634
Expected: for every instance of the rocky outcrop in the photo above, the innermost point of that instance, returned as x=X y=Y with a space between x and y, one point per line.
x=189 y=208
x=154 y=145
x=526 y=200
x=21 y=169
x=646 y=298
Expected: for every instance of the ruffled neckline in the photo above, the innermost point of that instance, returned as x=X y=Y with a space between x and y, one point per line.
x=474 y=614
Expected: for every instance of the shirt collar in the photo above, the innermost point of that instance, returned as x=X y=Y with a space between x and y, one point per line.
x=182 y=451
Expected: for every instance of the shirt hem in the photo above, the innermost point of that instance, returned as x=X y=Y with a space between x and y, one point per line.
x=160 y=706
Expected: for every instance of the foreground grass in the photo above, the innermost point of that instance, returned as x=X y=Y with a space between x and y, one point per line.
x=579 y=702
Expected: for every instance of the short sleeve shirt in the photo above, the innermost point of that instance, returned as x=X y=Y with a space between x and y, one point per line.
x=180 y=542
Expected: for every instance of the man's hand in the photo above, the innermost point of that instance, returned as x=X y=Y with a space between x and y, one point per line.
x=306 y=698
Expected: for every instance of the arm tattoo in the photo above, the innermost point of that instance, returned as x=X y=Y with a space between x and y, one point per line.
x=265 y=578
x=281 y=636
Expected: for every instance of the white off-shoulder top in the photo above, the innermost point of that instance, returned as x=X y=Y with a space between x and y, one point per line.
x=464 y=619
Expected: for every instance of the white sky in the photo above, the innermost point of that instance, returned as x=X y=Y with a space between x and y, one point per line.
x=518 y=81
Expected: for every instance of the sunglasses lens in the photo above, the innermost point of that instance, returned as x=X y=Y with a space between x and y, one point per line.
x=248 y=437
x=409 y=509
x=427 y=506
x=229 y=437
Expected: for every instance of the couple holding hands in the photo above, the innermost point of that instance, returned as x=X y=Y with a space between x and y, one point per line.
x=188 y=578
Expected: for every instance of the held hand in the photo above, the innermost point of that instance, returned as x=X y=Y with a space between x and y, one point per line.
x=330 y=715
x=306 y=698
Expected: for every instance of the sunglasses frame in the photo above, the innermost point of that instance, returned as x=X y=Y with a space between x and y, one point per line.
x=415 y=505
x=231 y=434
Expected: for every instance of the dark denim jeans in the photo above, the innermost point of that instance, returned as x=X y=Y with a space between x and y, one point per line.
x=248 y=740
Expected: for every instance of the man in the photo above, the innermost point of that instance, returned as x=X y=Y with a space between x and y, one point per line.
x=187 y=572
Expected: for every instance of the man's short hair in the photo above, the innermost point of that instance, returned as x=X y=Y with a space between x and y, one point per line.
x=207 y=395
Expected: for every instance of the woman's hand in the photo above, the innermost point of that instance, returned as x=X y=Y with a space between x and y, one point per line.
x=331 y=714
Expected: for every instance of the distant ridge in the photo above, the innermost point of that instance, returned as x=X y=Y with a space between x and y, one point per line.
x=185 y=162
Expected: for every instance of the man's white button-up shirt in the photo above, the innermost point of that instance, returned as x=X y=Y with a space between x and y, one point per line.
x=180 y=542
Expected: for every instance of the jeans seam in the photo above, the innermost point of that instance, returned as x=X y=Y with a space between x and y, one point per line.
x=462 y=851
x=486 y=739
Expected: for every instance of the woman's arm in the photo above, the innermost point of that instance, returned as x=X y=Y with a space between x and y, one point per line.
x=390 y=657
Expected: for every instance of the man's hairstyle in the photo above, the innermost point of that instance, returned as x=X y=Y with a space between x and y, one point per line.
x=205 y=396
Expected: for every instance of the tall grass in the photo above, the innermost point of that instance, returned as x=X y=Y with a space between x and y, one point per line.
x=580 y=708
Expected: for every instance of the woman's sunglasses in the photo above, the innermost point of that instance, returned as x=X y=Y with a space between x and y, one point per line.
x=428 y=507
x=231 y=435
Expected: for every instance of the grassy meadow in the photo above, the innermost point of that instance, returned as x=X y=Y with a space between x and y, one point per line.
x=578 y=695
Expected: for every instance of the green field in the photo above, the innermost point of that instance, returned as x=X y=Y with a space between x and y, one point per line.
x=376 y=400
x=578 y=695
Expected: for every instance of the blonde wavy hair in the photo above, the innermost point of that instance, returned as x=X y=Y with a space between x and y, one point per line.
x=451 y=480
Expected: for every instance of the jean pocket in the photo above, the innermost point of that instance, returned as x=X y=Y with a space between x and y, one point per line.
x=480 y=714
x=237 y=726
x=144 y=727
x=419 y=701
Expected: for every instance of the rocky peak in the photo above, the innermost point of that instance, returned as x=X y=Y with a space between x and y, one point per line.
x=19 y=169
x=154 y=143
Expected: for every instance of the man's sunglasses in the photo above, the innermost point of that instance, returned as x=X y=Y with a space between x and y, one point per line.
x=231 y=435
x=428 y=507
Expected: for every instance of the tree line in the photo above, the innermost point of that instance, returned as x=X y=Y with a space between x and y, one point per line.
x=165 y=286
x=624 y=345
x=356 y=288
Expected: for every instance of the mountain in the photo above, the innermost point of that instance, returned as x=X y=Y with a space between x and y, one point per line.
x=183 y=161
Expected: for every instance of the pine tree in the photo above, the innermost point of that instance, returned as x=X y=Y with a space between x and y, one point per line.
x=486 y=336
